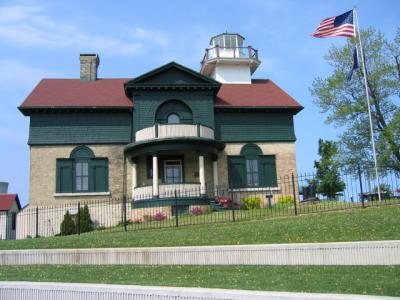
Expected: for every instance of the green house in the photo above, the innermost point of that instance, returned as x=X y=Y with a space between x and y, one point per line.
x=171 y=132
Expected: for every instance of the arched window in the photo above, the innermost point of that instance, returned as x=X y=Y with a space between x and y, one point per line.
x=173 y=119
x=174 y=112
x=251 y=168
x=251 y=153
x=82 y=172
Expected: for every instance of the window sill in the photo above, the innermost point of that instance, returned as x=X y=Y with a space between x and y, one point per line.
x=256 y=189
x=81 y=194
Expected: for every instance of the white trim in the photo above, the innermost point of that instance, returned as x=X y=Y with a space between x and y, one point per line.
x=81 y=194
x=256 y=189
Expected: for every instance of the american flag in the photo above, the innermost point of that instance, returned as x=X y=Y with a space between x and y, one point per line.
x=342 y=25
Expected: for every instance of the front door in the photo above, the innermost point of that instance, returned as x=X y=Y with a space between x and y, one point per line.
x=173 y=171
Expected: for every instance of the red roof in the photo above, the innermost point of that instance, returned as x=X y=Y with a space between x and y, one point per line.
x=7 y=201
x=111 y=93
x=261 y=92
x=76 y=92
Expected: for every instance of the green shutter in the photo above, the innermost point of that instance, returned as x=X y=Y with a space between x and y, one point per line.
x=64 y=176
x=236 y=171
x=267 y=171
x=98 y=175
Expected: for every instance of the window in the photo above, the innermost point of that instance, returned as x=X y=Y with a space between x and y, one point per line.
x=82 y=176
x=173 y=171
x=173 y=119
x=82 y=172
x=174 y=112
x=252 y=172
x=251 y=168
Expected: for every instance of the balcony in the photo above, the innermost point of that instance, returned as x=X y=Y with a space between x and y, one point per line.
x=162 y=131
x=218 y=52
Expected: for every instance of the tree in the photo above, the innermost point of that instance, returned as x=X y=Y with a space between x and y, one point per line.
x=327 y=179
x=345 y=101
x=67 y=226
x=85 y=222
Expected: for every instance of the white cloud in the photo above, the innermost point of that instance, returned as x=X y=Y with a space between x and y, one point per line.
x=15 y=73
x=30 y=26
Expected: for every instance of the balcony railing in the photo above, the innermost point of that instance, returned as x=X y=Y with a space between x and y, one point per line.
x=159 y=131
x=230 y=52
x=168 y=191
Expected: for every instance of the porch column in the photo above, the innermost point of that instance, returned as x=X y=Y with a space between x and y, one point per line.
x=155 y=175
x=134 y=178
x=202 y=175
x=215 y=176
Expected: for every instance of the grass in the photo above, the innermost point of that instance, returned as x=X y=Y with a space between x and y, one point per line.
x=370 y=280
x=379 y=223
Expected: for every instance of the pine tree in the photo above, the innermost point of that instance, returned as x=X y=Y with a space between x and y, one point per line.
x=86 y=224
x=67 y=226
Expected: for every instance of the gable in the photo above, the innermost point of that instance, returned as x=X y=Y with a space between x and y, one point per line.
x=171 y=76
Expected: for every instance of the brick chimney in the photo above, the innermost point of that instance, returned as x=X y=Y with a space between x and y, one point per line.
x=89 y=64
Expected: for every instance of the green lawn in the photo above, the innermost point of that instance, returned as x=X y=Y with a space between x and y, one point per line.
x=329 y=279
x=381 y=223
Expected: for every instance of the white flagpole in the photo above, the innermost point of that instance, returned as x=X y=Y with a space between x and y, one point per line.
x=368 y=103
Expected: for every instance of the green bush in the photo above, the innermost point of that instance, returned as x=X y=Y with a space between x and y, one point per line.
x=251 y=202
x=85 y=222
x=67 y=226
x=285 y=199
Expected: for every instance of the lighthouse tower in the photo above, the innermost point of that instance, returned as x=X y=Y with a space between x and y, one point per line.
x=228 y=60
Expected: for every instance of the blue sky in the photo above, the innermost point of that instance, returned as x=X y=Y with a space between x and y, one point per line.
x=43 y=39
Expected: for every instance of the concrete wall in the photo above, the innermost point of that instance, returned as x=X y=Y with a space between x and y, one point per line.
x=43 y=173
x=79 y=291
x=344 y=253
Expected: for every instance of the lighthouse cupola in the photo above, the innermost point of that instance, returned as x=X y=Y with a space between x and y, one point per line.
x=228 y=60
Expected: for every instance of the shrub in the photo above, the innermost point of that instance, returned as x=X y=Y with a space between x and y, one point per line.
x=251 y=202
x=159 y=216
x=127 y=222
x=285 y=199
x=197 y=211
x=137 y=220
x=85 y=222
x=67 y=226
x=226 y=202
x=386 y=190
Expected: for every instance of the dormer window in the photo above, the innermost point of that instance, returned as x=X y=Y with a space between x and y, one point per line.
x=173 y=119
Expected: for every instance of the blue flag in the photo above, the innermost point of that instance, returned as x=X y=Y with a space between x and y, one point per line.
x=355 y=65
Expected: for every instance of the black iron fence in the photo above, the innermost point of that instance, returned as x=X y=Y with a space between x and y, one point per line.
x=177 y=206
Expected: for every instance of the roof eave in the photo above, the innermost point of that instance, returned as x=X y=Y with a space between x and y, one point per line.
x=27 y=110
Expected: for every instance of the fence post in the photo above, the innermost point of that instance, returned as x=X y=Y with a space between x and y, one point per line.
x=233 y=208
x=361 y=187
x=124 y=210
x=78 y=225
x=176 y=210
x=37 y=222
x=294 y=195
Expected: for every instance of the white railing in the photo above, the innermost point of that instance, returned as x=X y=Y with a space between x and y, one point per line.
x=168 y=191
x=174 y=130
x=146 y=134
x=231 y=52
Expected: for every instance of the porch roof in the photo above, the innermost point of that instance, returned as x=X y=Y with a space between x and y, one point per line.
x=181 y=143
